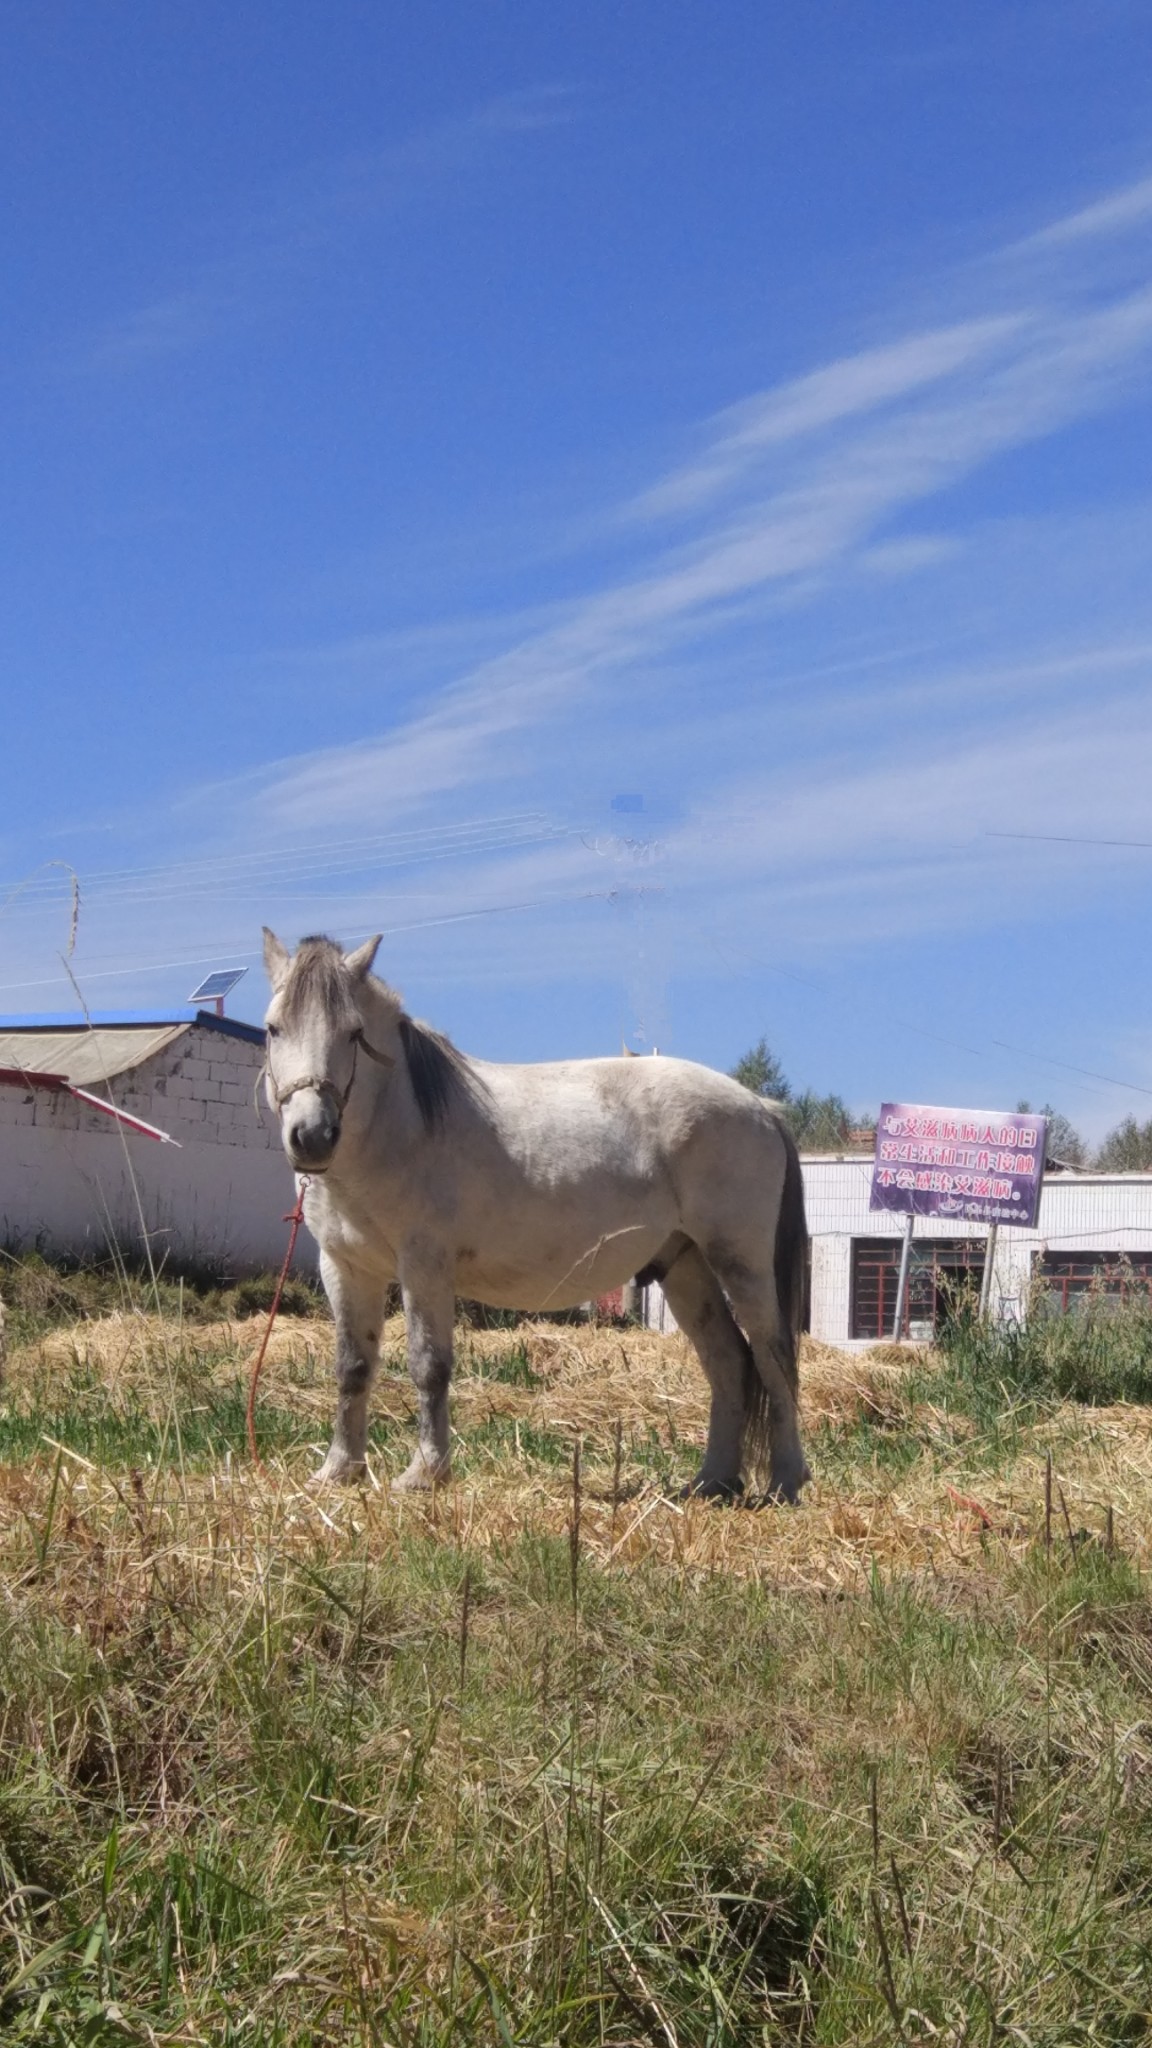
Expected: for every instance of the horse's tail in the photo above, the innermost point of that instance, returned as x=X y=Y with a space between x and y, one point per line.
x=790 y=1271
x=791 y=1260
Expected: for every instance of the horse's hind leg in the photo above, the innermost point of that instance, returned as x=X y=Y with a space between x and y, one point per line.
x=698 y=1304
x=358 y=1309
x=757 y=1310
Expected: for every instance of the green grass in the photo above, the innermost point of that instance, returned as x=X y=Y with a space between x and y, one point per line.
x=977 y=1400
x=190 y=1406
x=511 y=1368
x=130 y=1436
x=604 y=1832
x=1100 y=1352
x=420 y=1776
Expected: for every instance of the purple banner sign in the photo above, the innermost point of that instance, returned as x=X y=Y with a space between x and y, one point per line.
x=976 y=1165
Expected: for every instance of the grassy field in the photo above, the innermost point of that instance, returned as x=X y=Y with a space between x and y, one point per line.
x=557 y=1757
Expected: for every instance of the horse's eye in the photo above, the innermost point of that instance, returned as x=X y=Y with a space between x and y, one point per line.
x=273 y=1030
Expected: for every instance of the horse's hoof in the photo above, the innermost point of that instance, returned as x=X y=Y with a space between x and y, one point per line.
x=781 y=1493
x=728 y=1492
x=338 y=1470
x=421 y=1477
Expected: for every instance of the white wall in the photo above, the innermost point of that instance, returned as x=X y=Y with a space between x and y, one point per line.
x=72 y=1179
x=1090 y=1212
x=1078 y=1212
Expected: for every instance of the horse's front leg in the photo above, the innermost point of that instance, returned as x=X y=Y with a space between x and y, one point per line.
x=358 y=1308
x=429 y=1309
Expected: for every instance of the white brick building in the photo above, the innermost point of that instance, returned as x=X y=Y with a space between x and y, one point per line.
x=1092 y=1228
x=75 y=1180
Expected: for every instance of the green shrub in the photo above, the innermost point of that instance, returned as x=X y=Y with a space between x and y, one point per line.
x=42 y=1294
x=254 y=1297
x=1100 y=1351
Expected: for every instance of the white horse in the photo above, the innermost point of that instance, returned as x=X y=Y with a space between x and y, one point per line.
x=533 y=1187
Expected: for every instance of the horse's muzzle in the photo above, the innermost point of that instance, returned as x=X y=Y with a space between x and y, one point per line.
x=311 y=1141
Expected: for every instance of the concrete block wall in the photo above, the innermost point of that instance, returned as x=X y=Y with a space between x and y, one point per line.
x=73 y=1180
x=202 y=1090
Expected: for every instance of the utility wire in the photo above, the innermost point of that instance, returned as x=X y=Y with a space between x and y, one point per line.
x=243 y=951
x=920 y=1031
x=286 y=864
x=1068 y=839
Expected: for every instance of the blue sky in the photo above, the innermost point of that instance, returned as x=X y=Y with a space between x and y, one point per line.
x=425 y=427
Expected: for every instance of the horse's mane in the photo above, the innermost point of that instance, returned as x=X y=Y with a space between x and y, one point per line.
x=316 y=976
x=438 y=1072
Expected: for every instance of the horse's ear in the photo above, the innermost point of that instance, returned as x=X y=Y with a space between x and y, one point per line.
x=359 y=963
x=277 y=959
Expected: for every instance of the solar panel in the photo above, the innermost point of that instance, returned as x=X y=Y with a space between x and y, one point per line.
x=215 y=987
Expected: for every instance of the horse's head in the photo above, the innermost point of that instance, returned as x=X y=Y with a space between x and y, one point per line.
x=315 y=1033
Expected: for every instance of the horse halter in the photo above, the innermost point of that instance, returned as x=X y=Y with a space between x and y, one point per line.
x=320 y=1082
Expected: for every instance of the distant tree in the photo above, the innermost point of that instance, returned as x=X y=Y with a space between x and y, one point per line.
x=819 y=1123
x=1064 y=1140
x=1127 y=1149
x=760 y=1070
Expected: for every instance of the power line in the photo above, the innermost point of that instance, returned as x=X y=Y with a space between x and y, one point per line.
x=304 y=863
x=1068 y=839
x=1047 y=1060
x=243 y=951
x=917 y=1030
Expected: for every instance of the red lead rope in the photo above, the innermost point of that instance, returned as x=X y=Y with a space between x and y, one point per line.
x=295 y=1217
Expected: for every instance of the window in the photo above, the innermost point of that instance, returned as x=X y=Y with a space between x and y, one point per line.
x=940 y=1269
x=1065 y=1275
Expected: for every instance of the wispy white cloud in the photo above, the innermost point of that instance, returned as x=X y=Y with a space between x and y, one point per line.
x=842 y=391
x=793 y=490
x=1113 y=215
x=857 y=825
x=912 y=552
x=795 y=498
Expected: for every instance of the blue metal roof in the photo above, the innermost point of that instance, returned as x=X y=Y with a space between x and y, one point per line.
x=231 y=1027
x=67 y=1020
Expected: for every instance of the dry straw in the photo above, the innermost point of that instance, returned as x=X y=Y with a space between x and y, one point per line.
x=609 y=1400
